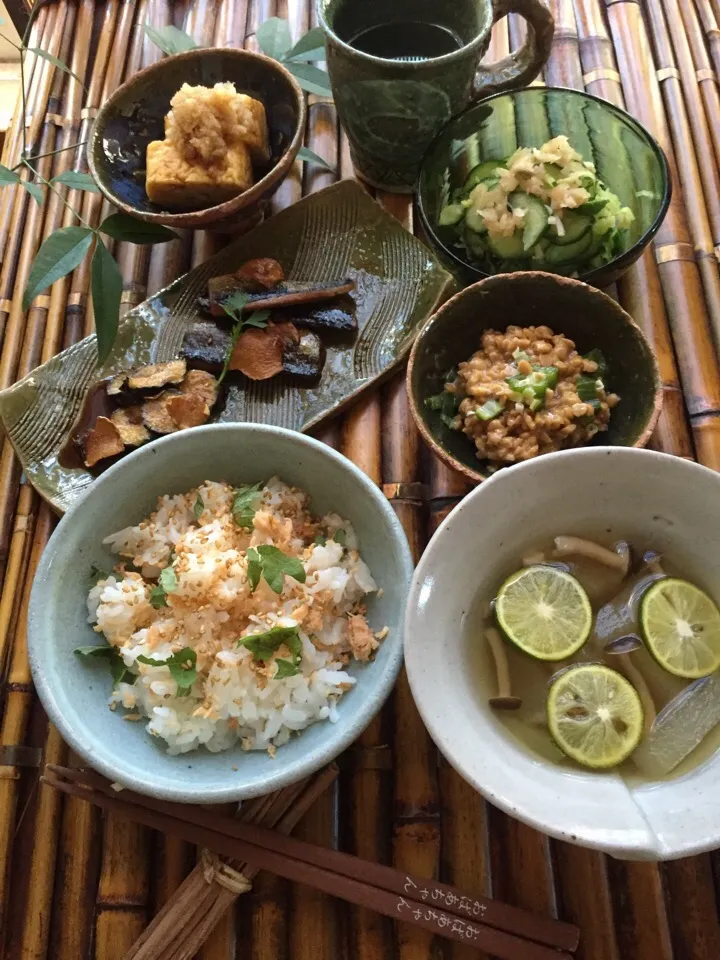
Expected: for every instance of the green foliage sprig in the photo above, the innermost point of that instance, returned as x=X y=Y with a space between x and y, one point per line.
x=66 y=248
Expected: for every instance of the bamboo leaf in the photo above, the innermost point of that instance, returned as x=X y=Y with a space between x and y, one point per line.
x=311 y=78
x=60 y=253
x=170 y=39
x=35 y=191
x=310 y=46
x=309 y=156
x=106 y=284
x=7 y=176
x=120 y=226
x=77 y=181
x=273 y=37
x=55 y=62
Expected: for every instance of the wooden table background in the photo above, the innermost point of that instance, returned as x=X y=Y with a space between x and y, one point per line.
x=76 y=885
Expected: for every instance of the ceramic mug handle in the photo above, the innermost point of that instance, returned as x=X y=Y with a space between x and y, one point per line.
x=521 y=67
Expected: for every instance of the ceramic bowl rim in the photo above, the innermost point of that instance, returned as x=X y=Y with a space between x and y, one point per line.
x=623 y=260
x=80 y=738
x=221 y=210
x=528 y=275
x=504 y=802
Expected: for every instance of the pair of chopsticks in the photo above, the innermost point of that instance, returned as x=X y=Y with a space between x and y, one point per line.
x=506 y=932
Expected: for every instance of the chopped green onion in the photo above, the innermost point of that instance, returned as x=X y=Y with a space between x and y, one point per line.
x=489 y=410
x=435 y=402
x=597 y=357
x=533 y=386
x=536 y=404
x=587 y=388
x=519 y=355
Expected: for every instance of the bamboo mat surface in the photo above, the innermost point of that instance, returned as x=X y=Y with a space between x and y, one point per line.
x=75 y=885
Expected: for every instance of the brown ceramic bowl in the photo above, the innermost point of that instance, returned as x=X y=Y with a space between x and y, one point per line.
x=135 y=114
x=588 y=317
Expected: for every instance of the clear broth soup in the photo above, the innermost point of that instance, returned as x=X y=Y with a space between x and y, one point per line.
x=530 y=678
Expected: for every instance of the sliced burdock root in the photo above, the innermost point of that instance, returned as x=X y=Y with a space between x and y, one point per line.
x=129 y=424
x=143 y=382
x=101 y=442
x=205 y=346
x=260 y=274
x=339 y=316
x=305 y=357
x=291 y=294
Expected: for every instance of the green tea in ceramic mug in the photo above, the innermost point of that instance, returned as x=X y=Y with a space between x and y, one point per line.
x=400 y=69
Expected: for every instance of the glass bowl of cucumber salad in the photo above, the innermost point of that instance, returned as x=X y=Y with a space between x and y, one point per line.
x=543 y=179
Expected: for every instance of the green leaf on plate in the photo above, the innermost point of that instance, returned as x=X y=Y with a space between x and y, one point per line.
x=245 y=505
x=120 y=226
x=263 y=645
x=170 y=39
x=181 y=666
x=254 y=568
x=106 y=284
x=168 y=580
x=102 y=652
x=310 y=78
x=235 y=304
x=158 y=597
x=273 y=37
x=60 y=253
x=285 y=668
x=310 y=46
x=55 y=62
x=35 y=191
x=198 y=507
x=309 y=156
x=274 y=565
x=76 y=181
x=7 y=176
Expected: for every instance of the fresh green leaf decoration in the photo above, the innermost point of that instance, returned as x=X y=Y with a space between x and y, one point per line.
x=312 y=79
x=320 y=540
x=7 y=176
x=120 y=226
x=55 y=62
x=309 y=156
x=340 y=537
x=106 y=284
x=170 y=39
x=35 y=191
x=245 y=505
x=254 y=568
x=96 y=575
x=182 y=667
x=76 y=180
x=285 y=668
x=274 y=565
x=263 y=645
x=233 y=307
x=118 y=670
x=273 y=37
x=198 y=507
x=158 y=597
x=59 y=255
x=168 y=580
x=311 y=46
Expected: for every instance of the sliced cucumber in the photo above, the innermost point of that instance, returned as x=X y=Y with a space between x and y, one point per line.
x=553 y=172
x=593 y=206
x=451 y=214
x=507 y=248
x=535 y=220
x=576 y=226
x=558 y=255
x=475 y=221
x=483 y=171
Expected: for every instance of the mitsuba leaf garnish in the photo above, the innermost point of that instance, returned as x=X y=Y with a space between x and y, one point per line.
x=158 y=597
x=233 y=307
x=182 y=667
x=340 y=537
x=285 y=668
x=198 y=507
x=320 y=540
x=274 y=565
x=96 y=575
x=263 y=645
x=245 y=505
x=118 y=670
x=168 y=580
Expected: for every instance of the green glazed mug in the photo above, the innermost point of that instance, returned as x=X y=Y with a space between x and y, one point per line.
x=399 y=69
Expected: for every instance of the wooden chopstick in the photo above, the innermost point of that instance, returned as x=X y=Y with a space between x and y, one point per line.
x=492 y=913
x=408 y=904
